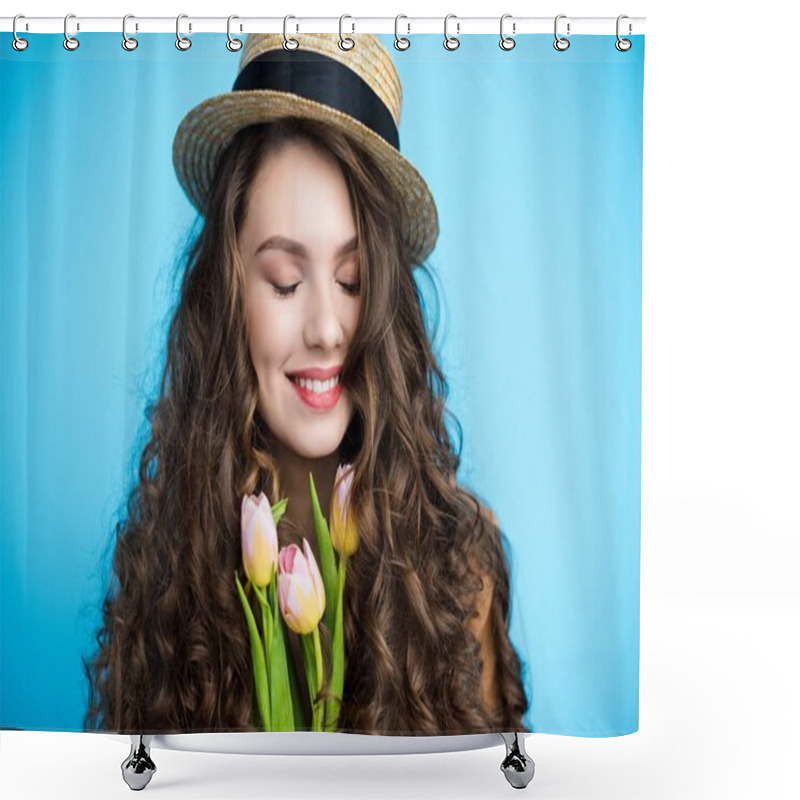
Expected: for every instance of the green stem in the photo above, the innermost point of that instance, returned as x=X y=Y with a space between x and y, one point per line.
x=307 y=645
x=266 y=618
x=318 y=708
x=266 y=622
x=298 y=708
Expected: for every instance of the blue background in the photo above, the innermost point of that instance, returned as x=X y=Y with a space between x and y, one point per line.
x=534 y=158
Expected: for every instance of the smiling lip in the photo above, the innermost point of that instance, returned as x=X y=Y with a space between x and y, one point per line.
x=324 y=401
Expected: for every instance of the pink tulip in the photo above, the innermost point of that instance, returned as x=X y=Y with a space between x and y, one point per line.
x=259 y=539
x=301 y=594
x=344 y=534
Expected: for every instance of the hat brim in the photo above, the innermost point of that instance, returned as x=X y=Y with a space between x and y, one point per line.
x=208 y=128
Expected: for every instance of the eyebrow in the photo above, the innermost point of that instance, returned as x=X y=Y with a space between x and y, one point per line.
x=294 y=248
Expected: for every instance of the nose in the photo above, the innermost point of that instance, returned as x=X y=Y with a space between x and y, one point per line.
x=323 y=326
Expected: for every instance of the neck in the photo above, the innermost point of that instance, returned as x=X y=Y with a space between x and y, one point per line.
x=294 y=470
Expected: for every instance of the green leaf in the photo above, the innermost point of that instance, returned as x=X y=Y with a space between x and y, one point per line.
x=333 y=706
x=279 y=509
x=282 y=712
x=259 y=665
x=326 y=557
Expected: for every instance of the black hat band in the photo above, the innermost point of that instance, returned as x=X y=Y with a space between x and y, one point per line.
x=324 y=80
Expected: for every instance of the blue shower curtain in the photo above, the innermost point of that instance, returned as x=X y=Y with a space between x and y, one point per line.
x=534 y=158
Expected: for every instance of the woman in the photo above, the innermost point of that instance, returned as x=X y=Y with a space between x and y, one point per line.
x=299 y=343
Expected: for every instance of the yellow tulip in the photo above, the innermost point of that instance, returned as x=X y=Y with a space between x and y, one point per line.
x=344 y=534
x=259 y=539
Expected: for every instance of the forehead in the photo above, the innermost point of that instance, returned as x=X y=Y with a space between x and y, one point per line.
x=301 y=193
x=298 y=170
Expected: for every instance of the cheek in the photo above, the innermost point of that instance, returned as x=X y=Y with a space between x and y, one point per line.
x=261 y=336
x=353 y=317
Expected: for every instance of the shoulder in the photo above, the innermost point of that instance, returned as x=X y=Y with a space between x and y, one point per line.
x=481 y=564
x=483 y=603
x=485 y=512
x=482 y=554
x=483 y=599
x=480 y=625
x=488 y=514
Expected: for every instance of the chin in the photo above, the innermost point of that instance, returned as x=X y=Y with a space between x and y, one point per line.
x=314 y=449
x=315 y=444
x=312 y=438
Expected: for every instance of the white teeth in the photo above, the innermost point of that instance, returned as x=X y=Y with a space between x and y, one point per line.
x=318 y=387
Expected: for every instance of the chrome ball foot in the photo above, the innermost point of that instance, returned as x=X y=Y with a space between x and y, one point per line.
x=517 y=766
x=138 y=768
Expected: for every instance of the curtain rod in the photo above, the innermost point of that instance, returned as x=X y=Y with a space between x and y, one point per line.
x=406 y=25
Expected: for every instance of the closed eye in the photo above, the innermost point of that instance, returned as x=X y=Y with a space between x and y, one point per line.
x=286 y=291
x=352 y=288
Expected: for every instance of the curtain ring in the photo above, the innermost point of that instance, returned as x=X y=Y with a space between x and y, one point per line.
x=18 y=44
x=233 y=44
x=70 y=42
x=451 y=42
x=560 y=43
x=182 y=43
x=128 y=42
x=400 y=42
x=289 y=44
x=506 y=42
x=346 y=43
x=623 y=45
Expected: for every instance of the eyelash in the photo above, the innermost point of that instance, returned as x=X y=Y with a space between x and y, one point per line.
x=286 y=291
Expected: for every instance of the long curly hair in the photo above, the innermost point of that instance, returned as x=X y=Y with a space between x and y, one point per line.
x=173 y=652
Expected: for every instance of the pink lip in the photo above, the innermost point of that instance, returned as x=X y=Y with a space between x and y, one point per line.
x=323 y=401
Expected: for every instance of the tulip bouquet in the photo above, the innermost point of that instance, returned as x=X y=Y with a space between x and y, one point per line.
x=292 y=591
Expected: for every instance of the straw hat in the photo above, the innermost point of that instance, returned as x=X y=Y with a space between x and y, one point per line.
x=356 y=91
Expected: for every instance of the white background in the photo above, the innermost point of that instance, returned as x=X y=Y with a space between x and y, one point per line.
x=720 y=442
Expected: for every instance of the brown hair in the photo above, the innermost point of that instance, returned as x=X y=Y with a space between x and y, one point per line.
x=173 y=650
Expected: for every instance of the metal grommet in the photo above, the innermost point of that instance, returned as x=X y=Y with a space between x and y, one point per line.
x=623 y=45
x=451 y=42
x=560 y=43
x=400 y=42
x=128 y=42
x=346 y=43
x=506 y=42
x=70 y=42
x=233 y=44
x=182 y=42
x=289 y=44
x=19 y=44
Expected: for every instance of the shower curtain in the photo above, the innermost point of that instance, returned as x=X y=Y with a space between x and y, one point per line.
x=531 y=297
